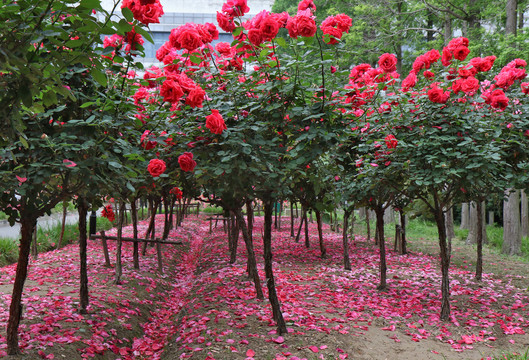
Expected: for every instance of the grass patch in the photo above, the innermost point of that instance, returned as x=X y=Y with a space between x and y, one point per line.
x=47 y=239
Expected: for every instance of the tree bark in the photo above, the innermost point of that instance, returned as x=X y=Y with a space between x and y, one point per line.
x=320 y=234
x=472 y=237
x=252 y=263
x=346 y=260
x=445 y=263
x=525 y=214
x=465 y=216
x=83 y=284
x=512 y=239
x=449 y=221
x=119 y=269
x=27 y=224
x=368 y=226
x=136 y=250
x=511 y=17
x=307 y=242
x=292 y=220
x=379 y=213
x=250 y=217
x=403 y=232
x=479 y=228
x=234 y=237
x=270 y=282
x=63 y=222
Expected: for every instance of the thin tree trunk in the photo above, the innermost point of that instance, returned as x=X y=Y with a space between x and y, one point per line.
x=15 y=309
x=345 y=241
x=250 y=217
x=320 y=234
x=449 y=221
x=63 y=222
x=252 y=263
x=300 y=227
x=512 y=239
x=379 y=212
x=119 y=269
x=525 y=214
x=82 y=210
x=292 y=219
x=35 y=249
x=167 y=221
x=307 y=242
x=511 y=17
x=233 y=234
x=445 y=263
x=465 y=216
x=136 y=250
x=270 y=282
x=368 y=226
x=403 y=232
x=479 y=228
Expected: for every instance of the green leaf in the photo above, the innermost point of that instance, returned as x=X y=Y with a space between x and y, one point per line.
x=130 y=187
x=281 y=42
x=195 y=59
x=127 y=13
x=23 y=141
x=86 y=104
x=99 y=76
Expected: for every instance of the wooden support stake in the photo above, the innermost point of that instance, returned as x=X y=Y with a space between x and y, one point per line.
x=105 y=248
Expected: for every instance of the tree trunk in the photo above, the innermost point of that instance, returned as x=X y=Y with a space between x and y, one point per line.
x=151 y=229
x=389 y=215
x=447 y=26
x=307 y=242
x=445 y=263
x=403 y=232
x=525 y=214
x=379 y=212
x=252 y=263
x=270 y=282
x=320 y=234
x=119 y=269
x=511 y=17
x=368 y=226
x=250 y=217
x=302 y=219
x=166 y=216
x=479 y=231
x=472 y=237
x=63 y=222
x=27 y=224
x=136 y=250
x=512 y=239
x=82 y=210
x=449 y=221
x=292 y=219
x=465 y=216
x=234 y=237
x=346 y=260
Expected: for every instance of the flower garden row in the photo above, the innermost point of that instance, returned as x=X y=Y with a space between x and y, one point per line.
x=273 y=115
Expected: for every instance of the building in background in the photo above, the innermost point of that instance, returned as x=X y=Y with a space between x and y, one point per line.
x=179 y=12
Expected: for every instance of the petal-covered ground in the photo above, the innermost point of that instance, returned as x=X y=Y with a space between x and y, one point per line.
x=201 y=307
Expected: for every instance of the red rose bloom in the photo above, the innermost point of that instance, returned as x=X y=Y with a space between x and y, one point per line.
x=189 y=38
x=525 y=87
x=195 y=97
x=225 y=22
x=498 y=100
x=391 y=141
x=171 y=91
x=437 y=95
x=306 y=4
x=215 y=122
x=147 y=145
x=409 y=81
x=301 y=25
x=156 y=167
x=108 y=213
x=461 y=53
x=269 y=28
x=149 y=13
x=186 y=161
x=388 y=62
x=177 y=192
x=470 y=84
x=255 y=36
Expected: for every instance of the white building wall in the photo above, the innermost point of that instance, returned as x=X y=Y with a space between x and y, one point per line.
x=179 y=12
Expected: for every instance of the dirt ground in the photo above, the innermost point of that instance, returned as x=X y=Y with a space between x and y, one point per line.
x=202 y=307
